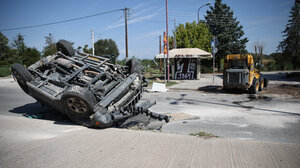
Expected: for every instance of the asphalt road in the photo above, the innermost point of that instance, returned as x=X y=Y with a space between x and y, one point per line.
x=267 y=117
x=56 y=142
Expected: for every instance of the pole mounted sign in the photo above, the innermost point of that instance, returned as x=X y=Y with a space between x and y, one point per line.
x=165 y=38
x=165 y=49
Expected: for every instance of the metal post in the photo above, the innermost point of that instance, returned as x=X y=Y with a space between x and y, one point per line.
x=126 y=40
x=159 y=52
x=200 y=8
x=214 y=59
x=175 y=44
x=167 y=33
x=165 y=72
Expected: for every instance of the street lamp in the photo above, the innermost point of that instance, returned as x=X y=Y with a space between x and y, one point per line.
x=200 y=8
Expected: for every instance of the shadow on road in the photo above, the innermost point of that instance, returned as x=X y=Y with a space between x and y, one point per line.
x=36 y=111
x=219 y=89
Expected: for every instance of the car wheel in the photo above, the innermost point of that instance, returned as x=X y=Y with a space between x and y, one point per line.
x=134 y=66
x=22 y=75
x=65 y=47
x=254 y=87
x=79 y=105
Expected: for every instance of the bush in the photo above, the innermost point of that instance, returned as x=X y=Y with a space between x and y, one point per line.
x=207 y=70
x=288 y=66
x=152 y=70
x=272 y=66
x=5 y=71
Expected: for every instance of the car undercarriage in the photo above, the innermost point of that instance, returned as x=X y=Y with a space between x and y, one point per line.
x=87 y=88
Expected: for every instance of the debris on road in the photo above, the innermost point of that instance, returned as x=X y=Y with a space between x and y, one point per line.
x=158 y=87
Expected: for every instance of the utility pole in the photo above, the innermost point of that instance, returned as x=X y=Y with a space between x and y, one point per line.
x=126 y=39
x=167 y=33
x=159 y=52
x=175 y=43
x=93 y=41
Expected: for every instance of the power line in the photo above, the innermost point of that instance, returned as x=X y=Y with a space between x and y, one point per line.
x=62 y=21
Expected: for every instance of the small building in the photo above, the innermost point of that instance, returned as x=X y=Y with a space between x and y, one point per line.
x=185 y=62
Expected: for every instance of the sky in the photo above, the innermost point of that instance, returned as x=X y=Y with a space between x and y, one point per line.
x=262 y=21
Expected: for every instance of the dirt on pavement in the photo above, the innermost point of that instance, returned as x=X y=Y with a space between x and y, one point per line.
x=292 y=90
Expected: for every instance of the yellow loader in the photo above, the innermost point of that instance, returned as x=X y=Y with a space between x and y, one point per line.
x=240 y=74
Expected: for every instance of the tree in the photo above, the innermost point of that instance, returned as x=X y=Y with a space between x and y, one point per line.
x=18 y=51
x=31 y=55
x=258 y=49
x=50 y=45
x=290 y=46
x=87 y=50
x=4 y=49
x=106 y=47
x=192 y=35
x=226 y=28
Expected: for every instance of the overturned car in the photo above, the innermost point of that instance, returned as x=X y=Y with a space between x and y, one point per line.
x=87 y=88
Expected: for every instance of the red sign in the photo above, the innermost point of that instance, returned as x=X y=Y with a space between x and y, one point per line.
x=165 y=38
x=165 y=49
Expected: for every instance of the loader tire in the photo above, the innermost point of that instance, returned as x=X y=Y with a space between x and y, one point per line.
x=254 y=87
x=266 y=82
x=65 y=47
x=79 y=105
x=23 y=76
x=261 y=84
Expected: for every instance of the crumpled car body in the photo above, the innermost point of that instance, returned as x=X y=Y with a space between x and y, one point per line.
x=87 y=88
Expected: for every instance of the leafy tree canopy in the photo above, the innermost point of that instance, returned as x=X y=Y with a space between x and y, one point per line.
x=50 y=45
x=87 y=50
x=4 y=49
x=192 y=35
x=106 y=47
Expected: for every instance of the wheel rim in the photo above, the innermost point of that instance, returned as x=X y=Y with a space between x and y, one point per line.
x=77 y=105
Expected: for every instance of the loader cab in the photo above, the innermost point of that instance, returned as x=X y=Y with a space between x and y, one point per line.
x=237 y=71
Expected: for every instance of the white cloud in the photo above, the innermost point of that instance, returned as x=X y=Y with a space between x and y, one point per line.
x=137 y=14
x=151 y=34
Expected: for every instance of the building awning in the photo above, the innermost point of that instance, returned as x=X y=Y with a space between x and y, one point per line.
x=186 y=53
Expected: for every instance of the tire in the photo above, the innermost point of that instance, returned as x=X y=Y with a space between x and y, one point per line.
x=266 y=82
x=79 y=105
x=134 y=66
x=254 y=87
x=23 y=76
x=227 y=90
x=261 y=84
x=65 y=47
